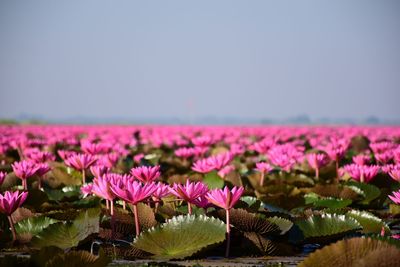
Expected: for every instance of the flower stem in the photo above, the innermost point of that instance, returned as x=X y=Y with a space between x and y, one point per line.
x=25 y=184
x=317 y=173
x=189 y=208
x=228 y=235
x=112 y=220
x=135 y=213
x=262 y=179
x=14 y=233
x=337 y=168
x=83 y=177
x=40 y=183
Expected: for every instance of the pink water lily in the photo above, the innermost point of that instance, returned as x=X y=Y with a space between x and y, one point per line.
x=146 y=174
x=189 y=192
x=101 y=187
x=43 y=168
x=202 y=166
x=40 y=156
x=133 y=193
x=395 y=174
x=86 y=189
x=99 y=170
x=263 y=168
x=316 y=161
x=362 y=173
x=2 y=177
x=9 y=202
x=219 y=161
x=24 y=170
x=81 y=162
x=362 y=159
x=161 y=192
x=226 y=199
x=395 y=197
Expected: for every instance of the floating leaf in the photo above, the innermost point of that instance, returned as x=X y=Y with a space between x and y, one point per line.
x=68 y=234
x=268 y=247
x=394 y=209
x=213 y=180
x=33 y=225
x=181 y=236
x=78 y=259
x=249 y=222
x=124 y=252
x=370 y=192
x=369 y=222
x=336 y=191
x=327 y=224
x=354 y=252
x=283 y=224
x=328 y=202
x=253 y=203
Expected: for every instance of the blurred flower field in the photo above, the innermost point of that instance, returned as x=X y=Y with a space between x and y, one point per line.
x=90 y=195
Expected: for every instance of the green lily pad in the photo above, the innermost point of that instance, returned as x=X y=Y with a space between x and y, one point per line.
x=354 y=252
x=68 y=234
x=213 y=180
x=283 y=224
x=181 y=236
x=328 y=202
x=369 y=222
x=327 y=224
x=253 y=203
x=370 y=192
x=33 y=225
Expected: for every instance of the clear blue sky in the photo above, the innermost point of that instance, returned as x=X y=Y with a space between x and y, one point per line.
x=242 y=59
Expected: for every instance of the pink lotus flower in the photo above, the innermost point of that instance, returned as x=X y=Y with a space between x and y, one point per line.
x=43 y=168
x=81 y=162
x=225 y=171
x=199 y=151
x=316 y=161
x=134 y=192
x=394 y=173
x=362 y=159
x=184 y=152
x=102 y=188
x=40 y=156
x=381 y=147
x=336 y=151
x=65 y=154
x=202 y=166
x=384 y=157
x=2 y=177
x=263 y=168
x=189 y=192
x=395 y=197
x=94 y=148
x=161 y=191
x=24 y=170
x=226 y=199
x=146 y=174
x=9 y=202
x=86 y=189
x=109 y=160
x=362 y=173
x=203 y=203
x=137 y=158
x=99 y=170
x=219 y=161
x=202 y=141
